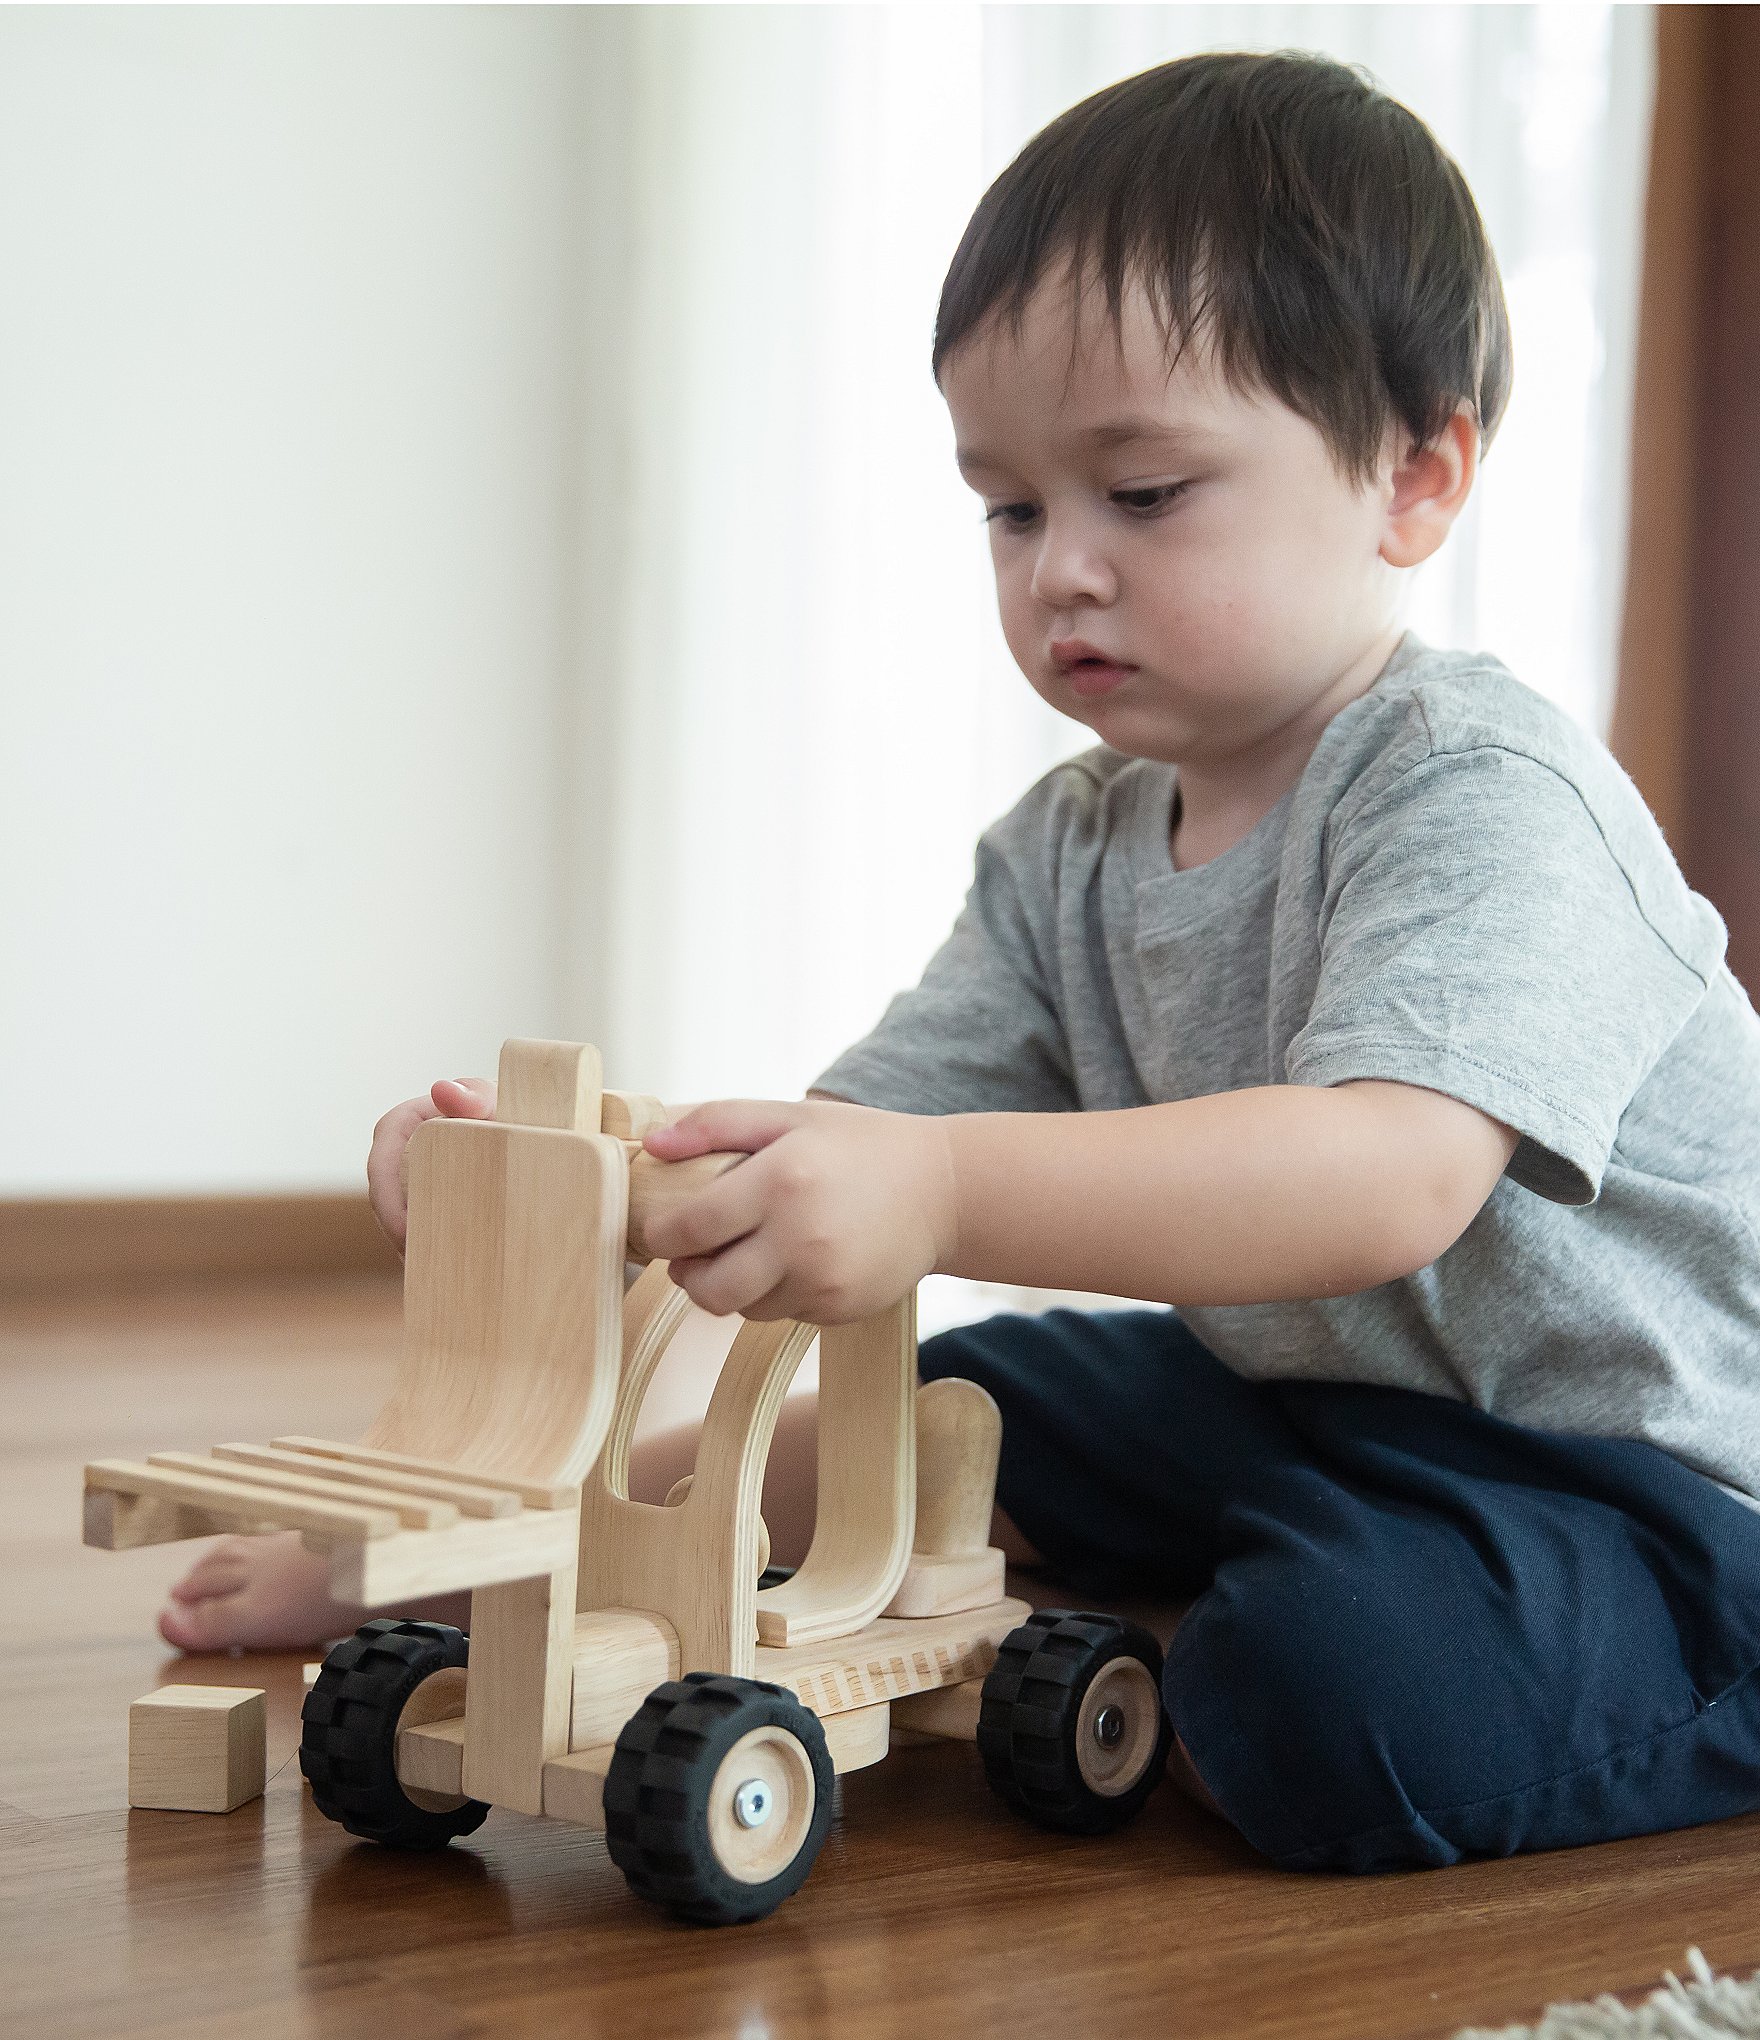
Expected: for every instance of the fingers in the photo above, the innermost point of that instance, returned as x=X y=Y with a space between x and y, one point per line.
x=714 y=1218
x=387 y=1161
x=729 y=1281
x=465 y=1097
x=385 y=1179
x=723 y=1124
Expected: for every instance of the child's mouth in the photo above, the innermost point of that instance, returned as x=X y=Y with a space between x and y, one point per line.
x=1095 y=676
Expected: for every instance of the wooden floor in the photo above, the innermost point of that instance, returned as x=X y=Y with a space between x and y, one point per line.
x=931 y=1909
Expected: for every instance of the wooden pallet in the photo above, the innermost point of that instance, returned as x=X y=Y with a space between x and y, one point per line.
x=393 y=1531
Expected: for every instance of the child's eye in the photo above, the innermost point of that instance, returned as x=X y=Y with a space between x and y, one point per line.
x=1141 y=502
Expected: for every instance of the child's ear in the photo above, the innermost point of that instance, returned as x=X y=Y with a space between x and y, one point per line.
x=1428 y=488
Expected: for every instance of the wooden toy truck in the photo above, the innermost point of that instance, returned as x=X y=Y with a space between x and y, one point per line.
x=626 y=1667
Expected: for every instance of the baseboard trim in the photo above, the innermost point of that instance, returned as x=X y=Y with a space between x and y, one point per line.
x=63 y=1243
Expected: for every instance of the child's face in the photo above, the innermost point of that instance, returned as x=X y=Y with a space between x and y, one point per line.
x=1241 y=600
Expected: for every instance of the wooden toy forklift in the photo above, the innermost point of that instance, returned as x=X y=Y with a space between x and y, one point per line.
x=626 y=1668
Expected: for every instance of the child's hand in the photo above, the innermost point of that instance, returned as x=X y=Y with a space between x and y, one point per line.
x=388 y=1162
x=841 y=1211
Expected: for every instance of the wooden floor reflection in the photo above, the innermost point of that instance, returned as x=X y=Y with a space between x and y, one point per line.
x=931 y=1909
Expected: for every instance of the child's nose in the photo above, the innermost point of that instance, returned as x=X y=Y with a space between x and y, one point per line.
x=1071 y=563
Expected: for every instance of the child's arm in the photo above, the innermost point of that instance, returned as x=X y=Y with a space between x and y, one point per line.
x=1288 y=1190
x=1254 y=1196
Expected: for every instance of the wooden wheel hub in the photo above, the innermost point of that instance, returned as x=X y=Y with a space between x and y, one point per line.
x=761 y=1805
x=1119 y=1726
x=440 y=1697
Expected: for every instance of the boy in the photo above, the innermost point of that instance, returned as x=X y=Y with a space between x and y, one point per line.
x=1344 y=997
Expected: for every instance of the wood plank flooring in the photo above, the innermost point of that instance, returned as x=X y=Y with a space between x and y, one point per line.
x=931 y=1909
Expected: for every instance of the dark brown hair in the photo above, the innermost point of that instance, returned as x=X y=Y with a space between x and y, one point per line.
x=1283 y=204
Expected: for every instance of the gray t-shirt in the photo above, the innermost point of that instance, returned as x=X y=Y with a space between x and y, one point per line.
x=1463 y=891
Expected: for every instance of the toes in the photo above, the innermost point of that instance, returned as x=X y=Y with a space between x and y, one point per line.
x=220 y=1572
x=203 y=1625
x=253 y=1593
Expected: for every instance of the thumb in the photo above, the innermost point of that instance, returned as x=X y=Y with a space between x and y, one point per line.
x=729 y=1125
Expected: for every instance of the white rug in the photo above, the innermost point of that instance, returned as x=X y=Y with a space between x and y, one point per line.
x=1711 y=2007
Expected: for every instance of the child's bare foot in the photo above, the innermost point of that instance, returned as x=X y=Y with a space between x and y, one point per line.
x=268 y=1593
x=264 y=1593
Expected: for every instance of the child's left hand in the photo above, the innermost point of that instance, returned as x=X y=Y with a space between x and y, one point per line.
x=840 y=1212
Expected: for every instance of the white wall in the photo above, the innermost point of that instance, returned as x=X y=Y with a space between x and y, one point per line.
x=480 y=551
x=298 y=342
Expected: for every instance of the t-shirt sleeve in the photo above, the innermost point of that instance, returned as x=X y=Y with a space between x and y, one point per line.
x=1479 y=936
x=980 y=1032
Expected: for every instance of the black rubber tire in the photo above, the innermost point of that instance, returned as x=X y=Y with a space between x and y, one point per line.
x=1014 y=1651
x=347 y=1745
x=657 y=1795
x=1030 y=1709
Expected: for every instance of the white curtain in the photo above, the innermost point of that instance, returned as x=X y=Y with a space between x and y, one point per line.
x=796 y=710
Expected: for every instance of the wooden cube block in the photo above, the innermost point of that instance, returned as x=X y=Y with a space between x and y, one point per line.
x=200 y=1749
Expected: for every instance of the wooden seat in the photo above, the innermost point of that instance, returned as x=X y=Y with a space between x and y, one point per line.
x=470 y=1474
x=513 y=1282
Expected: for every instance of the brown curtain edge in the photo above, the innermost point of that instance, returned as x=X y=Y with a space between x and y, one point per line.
x=1686 y=721
x=1650 y=704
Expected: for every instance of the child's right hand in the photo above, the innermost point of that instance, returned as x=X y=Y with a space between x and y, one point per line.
x=388 y=1165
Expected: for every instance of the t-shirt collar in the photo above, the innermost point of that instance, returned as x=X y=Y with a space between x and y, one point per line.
x=1242 y=864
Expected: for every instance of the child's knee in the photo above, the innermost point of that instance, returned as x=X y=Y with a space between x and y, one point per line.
x=1289 y=1695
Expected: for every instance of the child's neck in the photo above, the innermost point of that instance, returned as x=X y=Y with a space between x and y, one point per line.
x=1218 y=803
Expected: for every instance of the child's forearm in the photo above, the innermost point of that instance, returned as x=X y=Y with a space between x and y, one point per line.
x=1253 y=1196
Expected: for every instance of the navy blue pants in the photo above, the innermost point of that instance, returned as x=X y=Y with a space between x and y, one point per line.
x=1419 y=1633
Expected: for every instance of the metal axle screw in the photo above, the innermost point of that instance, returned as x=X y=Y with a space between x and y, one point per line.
x=1109 y=1727
x=751 y=1803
